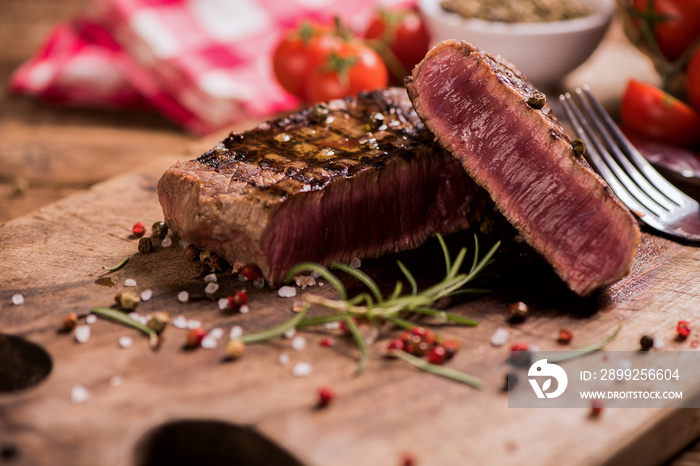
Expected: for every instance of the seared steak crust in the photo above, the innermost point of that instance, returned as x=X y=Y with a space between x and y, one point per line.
x=477 y=107
x=359 y=177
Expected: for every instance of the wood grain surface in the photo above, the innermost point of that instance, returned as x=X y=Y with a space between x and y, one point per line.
x=73 y=181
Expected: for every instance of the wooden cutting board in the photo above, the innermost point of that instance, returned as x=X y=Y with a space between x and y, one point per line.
x=180 y=406
x=179 y=402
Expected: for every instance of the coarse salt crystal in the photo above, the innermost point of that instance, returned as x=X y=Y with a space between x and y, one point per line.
x=283 y=359
x=236 y=332
x=129 y=282
x=17 y=299
x=126 y=342
x=180 y=322
x=244 y=309
x=216 y=333
x=211 y=278
x=659 y=343
x=321 y=283
x=223 y=303
x=259 y=282
x=499 y=337
x=301 y=369
x=332 y=325
x=356 y=263
x=146 y=295
x=79 y=394
x=167 y=242
x=91 y=319
x=209 y=343
x=290 y=333
x=183 y=244
x=211 y=288
x=183 y=296
x=193 y=324
x=82 y=333
x=116 y=381
x=242 y=278
x=287 y=292
x=298 y=343
x=315 y=274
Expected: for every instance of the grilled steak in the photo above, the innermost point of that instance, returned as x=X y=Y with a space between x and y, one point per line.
x=359 y=177
x=477 y=107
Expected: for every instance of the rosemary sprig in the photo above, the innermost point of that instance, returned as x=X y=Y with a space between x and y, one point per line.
x=116 y=267
x=276 y=331
x=442 y=371
x=375 y=308
x=122 y=318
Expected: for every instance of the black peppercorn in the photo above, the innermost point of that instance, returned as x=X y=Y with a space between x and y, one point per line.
x=145 y=245
x=159 y=230
x=646 y=342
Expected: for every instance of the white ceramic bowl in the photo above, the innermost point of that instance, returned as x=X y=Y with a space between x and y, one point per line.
x=544 y=52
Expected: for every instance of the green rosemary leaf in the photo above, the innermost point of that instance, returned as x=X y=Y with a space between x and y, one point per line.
x=476 y=254
x=401 y=323
x=122 y=318
x=114 y=268
x=586 y=349
x=319 y=320
x=470 y=291
x=361 y=344
x=442 y=371
x=409 y=277
x=457 y=263
x=446 y=254
x=361 y=276
x=456 y=318
x=323 y=272
x=276 y=331
x=397 y=291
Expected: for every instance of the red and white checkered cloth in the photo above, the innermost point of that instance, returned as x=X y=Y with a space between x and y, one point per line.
x=205 y=64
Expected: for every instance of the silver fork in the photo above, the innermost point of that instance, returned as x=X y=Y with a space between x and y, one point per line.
x=649 y=196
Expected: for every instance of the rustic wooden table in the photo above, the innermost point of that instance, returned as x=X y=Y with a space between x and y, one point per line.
x=72 y=181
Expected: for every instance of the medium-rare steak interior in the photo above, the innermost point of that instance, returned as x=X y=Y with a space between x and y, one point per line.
x=492 y=120
x=359 y=177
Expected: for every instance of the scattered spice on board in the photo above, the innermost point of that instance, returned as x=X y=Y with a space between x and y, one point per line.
x=139 y=229
x=518 y=11
x=325 y=396
x=596 y=408
x=565 y=336
x=683 y=329
x=517 y=312
x=646 y=342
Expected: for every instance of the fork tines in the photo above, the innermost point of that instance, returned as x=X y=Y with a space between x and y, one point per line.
x=635 y=182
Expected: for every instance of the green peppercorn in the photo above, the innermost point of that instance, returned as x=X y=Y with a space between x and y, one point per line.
x=127 y=300
x=578 y=146
x=159 y=230
x=537 y=100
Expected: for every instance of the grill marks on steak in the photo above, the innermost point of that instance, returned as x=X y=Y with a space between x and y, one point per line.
x=477 y=108
x=359 y=177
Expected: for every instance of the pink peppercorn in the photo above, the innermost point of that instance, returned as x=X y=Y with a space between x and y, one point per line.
x=139 y=229
x=325 y=396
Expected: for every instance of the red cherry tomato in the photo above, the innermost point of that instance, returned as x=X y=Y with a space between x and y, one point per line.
x=676 y=23
x=300 y=51
x=649 y=111
x=692 y=74
x=404 y=33
x=351 y=67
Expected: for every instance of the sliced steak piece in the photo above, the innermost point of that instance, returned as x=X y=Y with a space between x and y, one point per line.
x=359 y=177
x=477 y=107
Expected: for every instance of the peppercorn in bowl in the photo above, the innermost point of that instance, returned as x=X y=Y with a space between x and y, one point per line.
x=544 y=39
